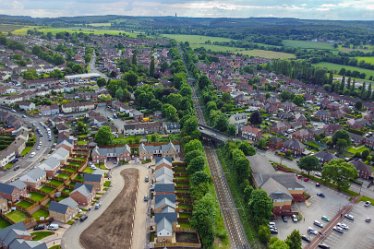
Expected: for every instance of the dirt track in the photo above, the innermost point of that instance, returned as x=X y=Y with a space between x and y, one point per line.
x=113 y=229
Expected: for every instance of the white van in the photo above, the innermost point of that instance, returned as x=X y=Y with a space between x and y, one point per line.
x=53 y=227
x=32 y=154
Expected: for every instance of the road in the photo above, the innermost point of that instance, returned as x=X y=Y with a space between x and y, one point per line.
x=71 y=237
x=26 y=163
x=93 y=68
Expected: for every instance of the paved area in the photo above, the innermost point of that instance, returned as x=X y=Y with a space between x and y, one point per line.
x=360 y=233
x=118 y=123
x=71 y=237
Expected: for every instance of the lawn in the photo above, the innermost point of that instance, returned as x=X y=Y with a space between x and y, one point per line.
x=41 y=235
x=16 y=216
x=40 y=213
x=24 y=204
x=63 y=176
x=47 y=189
x=82 y=142
x=4 y=223
x=367 y=59
x=36 y=196
x=268 y=54
x=26 y=151
x=307 y=44
x=337 y=67
x=355 y=150
x=8 y=166
x=55 y=183
x=88 y=170
x=55 y=247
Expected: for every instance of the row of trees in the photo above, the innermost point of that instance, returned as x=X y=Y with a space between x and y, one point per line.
x=48 y=55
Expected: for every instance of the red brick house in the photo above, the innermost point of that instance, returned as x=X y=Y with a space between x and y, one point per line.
x=294 y=146
x=251 y=133
x=364 y=170
x=275 y=143
x=13 y=192
x=303 y=135
x=83 y=194
x=280 y=127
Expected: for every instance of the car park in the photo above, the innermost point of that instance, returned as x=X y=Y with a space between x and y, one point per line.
x=338 y=229
x=318 y=224
x=83 y=218
x=322 y=195
x=349 y=217
x=305 y=238
x=325 y=218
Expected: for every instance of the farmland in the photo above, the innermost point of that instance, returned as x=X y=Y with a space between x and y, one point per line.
x=268 y=54
x=307 y=44
x=367 y=59
x=9 y=27
x=337 y=67
x=196 y=39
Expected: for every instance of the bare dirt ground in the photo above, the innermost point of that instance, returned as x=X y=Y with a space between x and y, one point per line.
x=113 y=228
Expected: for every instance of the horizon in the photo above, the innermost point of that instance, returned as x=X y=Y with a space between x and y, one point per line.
x=349 y=10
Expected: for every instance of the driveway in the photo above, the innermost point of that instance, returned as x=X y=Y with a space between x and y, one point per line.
x=72 y=236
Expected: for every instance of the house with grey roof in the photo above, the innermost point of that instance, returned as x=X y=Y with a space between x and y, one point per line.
x=96 y=180
x=13 y=191
x=16 y=236
x=63 y=211
x=50 y=166
x=164 y=171
x=172 y=127
x=118 y=153
x=147 y=152
x=164 y=231
x=83 y=194
x=34 y=178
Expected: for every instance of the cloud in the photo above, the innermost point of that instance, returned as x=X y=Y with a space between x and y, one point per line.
x=310 y=9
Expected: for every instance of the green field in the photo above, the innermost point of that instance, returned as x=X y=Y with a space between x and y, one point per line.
x=196 y=39
x=307 y=44
x=367 y=59
x=23 y=31
x=365 y=49
x=100 y=24
x=337 y=67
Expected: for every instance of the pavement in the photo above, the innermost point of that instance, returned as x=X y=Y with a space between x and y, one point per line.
x=27 y=163
x=71 y=237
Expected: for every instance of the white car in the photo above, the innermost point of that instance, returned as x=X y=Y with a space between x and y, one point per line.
x=38 y=148
x=312 y=231
x=32 y=154
x=338 y=229
x=342 y=225
x=349 y=217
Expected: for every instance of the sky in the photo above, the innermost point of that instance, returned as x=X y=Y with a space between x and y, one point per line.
x=306 y=9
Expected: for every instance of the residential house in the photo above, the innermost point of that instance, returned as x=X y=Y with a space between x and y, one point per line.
x=322 y=115
x=364 y=171
x=165 y=150
x=275 y=143
x=50 y=166
x=63 y=211
x=251 y=133
x=51 y=110
x=324 y=156
x=163 y=162
x=331 y=128
x=238 y=120
x=74 y=107
x=26 y=105
x=172 y=127
x=16 y=236
x=142 y=128
x=83 y=194
x=369 y=141
x=96 y=180
x=13 y=192
x=279 y=127
x=119 y=153
x=303 y=135
x=34 y=178
x=62 y=127
x=357 y=123
x=294 y=146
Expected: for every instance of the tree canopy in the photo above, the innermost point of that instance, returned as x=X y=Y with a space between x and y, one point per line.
x=339 y=172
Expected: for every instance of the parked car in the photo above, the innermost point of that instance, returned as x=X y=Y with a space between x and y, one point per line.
x=273 y=231
x=367 y=204
x=318 y=184
x=16 y=168
x=271 y=223
x=97 y=205
x=324 y=246
x=146 y=198
x=146 y=179
x=32 y=154
x=312 y=231
x=294 y=218
x=305 y=238
x=318 y=174
x=342 y=225
x=338 y=229
x=39 y=227
x=306 y=179
x=349 y=217
x=325 y=218
x=284 y=218
x=318 y=224
x=53 y=227
x=83 y=218
x=299 y=176
x=368 y=220
x=322 y=195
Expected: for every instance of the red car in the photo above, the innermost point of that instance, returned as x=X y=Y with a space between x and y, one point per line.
x=306 y=179
x=299 y=176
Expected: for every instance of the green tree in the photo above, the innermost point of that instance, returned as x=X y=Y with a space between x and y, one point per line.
x=247 y=192
x=298 y=100
x=358 y=105
x=247 y=149
x=262 y=143
x=194 y=144
x=119 y=94
x=152 y=67
x=365 y=154
x=294 y=240
x=255 y=118
x=339 y=172
x=276 y=243
x=199 y=177
x=192 y=154
x=342 y=145
x=260 y=206
x=309 y=163
x=196 y=164
x=131 y=77
x=341 y=134
x=104 y=136
x=169 y=112
x=82 y=127
x=264 y=234
x=101 y=82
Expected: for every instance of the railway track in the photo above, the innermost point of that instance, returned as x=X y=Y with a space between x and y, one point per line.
x=233 y=224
